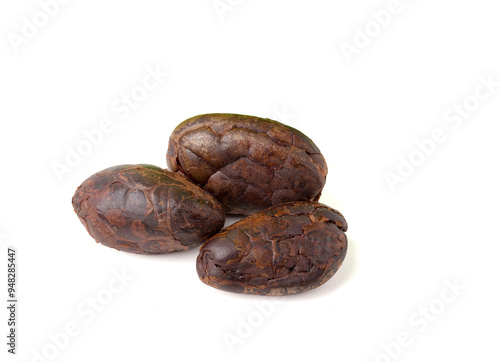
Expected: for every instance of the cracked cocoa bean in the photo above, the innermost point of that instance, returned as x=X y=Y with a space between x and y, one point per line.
x=247 y=163
x=286 y=249
x=146 y=210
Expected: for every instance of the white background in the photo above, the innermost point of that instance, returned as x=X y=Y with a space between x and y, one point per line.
x=282 y=60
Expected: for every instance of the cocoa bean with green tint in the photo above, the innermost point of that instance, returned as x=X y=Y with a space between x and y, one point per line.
x=248 y=163
x=144 y=209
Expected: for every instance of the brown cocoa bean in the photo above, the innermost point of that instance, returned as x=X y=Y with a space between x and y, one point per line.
x=247 y=163
x=286 y=249
x=146 y=210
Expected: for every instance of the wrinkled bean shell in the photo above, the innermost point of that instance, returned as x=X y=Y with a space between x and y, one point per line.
x=247 y=163
x=286 y=249
x=146 y=210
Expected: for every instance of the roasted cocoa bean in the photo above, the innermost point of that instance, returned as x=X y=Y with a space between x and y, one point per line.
x=286 y=249
x=247 y=163
x=146 y=210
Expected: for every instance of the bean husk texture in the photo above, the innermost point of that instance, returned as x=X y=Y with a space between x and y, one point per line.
x=286 y=249
x=248 y=163
x=144 y=209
